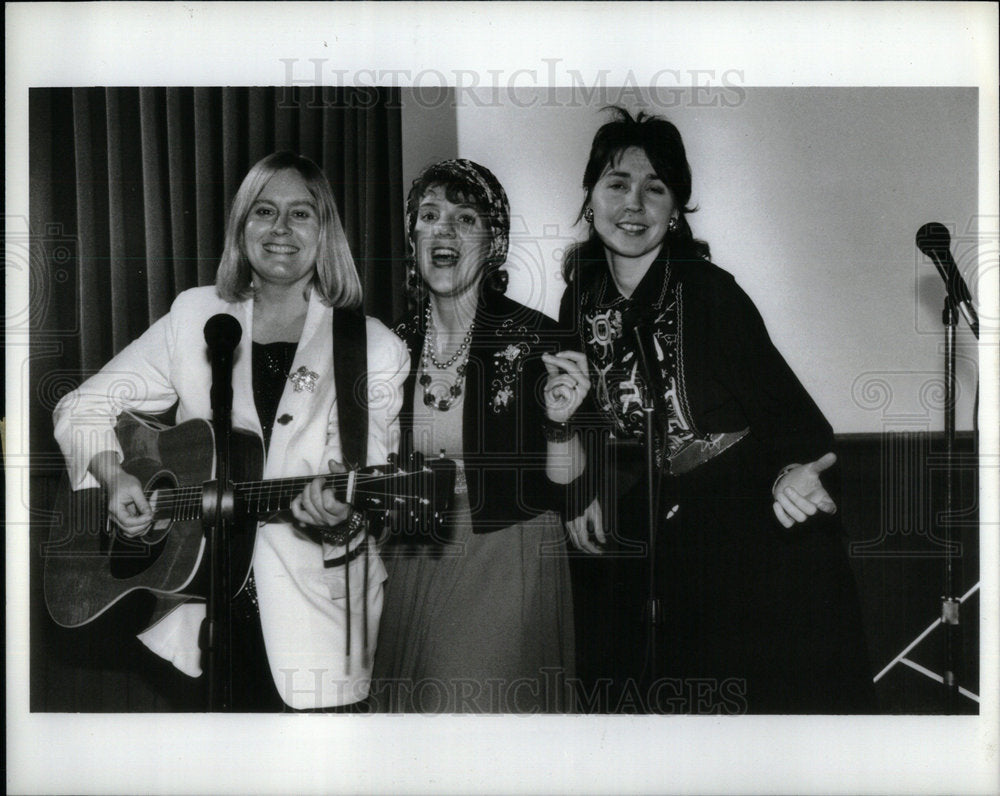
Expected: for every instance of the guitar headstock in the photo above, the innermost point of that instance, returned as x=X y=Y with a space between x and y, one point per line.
x=412 y=500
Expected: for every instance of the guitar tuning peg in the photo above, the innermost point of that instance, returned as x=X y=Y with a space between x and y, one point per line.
x=393 y=462
x=416 y=460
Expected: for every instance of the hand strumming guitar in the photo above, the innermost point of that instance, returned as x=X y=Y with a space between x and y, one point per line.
x=127 y=504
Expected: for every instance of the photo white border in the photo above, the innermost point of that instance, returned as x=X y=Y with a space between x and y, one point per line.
x=772 y=44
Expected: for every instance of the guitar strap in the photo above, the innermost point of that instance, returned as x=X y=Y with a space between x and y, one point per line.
x=350 y=375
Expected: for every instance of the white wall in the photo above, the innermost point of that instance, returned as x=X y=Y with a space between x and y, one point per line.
x=430 y=133
x=810 y=197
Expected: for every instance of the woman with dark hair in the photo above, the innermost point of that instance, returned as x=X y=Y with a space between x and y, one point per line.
x=756 y=615
x=315 y=588
x=478 y=618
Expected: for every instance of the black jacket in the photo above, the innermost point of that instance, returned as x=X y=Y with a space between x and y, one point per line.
x=504 y=447
x=730 y=375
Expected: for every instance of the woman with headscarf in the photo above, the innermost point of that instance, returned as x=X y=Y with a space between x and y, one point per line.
x=478 y=618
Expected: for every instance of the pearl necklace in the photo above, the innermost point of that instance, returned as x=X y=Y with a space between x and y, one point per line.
x=429 y=357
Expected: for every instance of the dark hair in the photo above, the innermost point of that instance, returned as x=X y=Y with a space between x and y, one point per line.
x=663 y=145
x=465 y=182
x=336 y=276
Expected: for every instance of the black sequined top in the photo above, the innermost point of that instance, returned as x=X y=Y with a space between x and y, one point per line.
x=272 y=363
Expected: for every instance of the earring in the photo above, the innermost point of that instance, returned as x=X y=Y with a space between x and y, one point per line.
x=588 y=215
x=673 y=225
x=413 y=280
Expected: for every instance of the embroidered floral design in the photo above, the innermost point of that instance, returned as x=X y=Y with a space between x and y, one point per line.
x=508 y=362
x=510 y=353
x=502 y=398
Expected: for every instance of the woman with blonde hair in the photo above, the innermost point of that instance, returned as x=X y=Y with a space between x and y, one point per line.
x=315 y=587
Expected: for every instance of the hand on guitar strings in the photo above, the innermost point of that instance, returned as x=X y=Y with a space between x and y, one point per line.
x=317 y=506
x=127 y=503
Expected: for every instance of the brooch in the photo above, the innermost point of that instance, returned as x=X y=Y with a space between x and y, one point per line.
x=304 y=379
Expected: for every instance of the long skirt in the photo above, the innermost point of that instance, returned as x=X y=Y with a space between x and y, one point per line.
x=478 y=623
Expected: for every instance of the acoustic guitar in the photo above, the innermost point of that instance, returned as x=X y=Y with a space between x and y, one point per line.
x=89 y=565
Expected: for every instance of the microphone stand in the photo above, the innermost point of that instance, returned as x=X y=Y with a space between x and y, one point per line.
x=652 y=397
x=949 y=601
x=218 y=514
x=653 y=606
x=934 y=241
x=217 y=520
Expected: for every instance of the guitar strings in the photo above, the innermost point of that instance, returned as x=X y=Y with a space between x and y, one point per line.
x=296 y=484
x=173 y=499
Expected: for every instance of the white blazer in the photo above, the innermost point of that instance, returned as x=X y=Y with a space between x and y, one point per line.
x=303 y=605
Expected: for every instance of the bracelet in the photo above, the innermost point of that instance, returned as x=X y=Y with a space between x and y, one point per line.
x=557 y=432
x=784 y=471
x=341 y=534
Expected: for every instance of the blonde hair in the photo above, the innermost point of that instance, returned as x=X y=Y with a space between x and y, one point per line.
x=336 y=277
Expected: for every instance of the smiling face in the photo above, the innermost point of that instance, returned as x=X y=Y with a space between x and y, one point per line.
x=632 y=209
x=450 y=243
x=281 y=232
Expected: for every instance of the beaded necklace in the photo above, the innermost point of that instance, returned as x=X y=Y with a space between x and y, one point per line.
x=429 y=357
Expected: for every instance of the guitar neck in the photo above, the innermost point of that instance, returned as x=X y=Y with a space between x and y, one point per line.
x=267 y=497
x=261 y=498
x=363 y=490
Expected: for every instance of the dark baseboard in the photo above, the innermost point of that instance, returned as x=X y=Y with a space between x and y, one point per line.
x=890 y=493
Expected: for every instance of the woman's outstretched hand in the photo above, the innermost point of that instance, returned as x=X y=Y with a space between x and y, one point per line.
x=318 y=506
x=799 y=493
x=588 y=528
x=566 y=385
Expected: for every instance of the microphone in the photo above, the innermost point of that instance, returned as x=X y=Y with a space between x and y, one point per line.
x=934 y=241
x=222 y=334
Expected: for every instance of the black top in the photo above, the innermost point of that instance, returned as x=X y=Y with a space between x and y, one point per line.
x=272 y=363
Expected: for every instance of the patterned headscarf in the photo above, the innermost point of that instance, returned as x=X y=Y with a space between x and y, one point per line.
x=481 y=188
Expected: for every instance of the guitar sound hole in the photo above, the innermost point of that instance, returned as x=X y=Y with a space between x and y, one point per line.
x=131 y=557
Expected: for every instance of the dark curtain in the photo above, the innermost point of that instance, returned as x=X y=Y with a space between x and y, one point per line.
x=129 y=194
x=130 y=190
